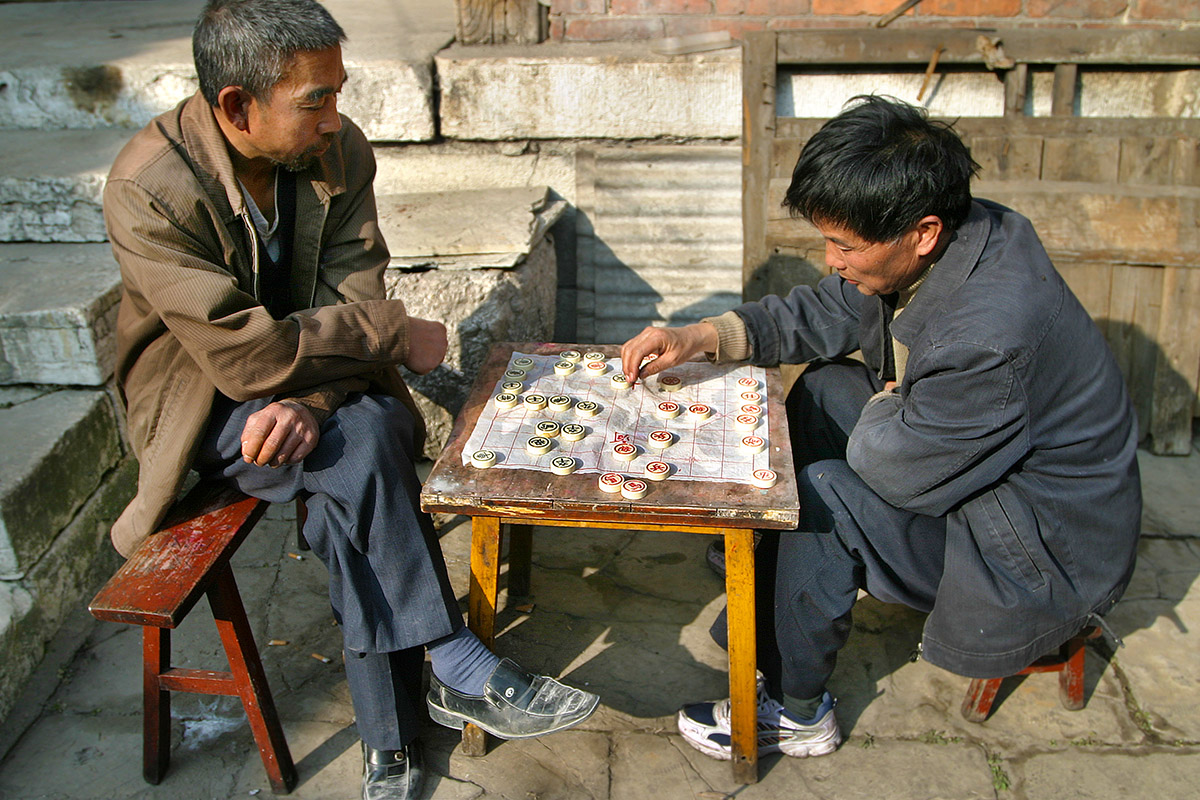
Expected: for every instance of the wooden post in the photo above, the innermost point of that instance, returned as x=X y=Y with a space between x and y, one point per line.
x=758 y=132
x=1062 y=99
x=1016 y=83
x=499 y=22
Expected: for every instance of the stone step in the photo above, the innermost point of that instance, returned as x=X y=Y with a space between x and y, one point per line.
x=58 y=448
x=120 y=63
x=566 y=91
x=63 y=480
x=51 y=183
x=58 y=310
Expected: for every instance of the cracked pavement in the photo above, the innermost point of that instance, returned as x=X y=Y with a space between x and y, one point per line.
x=626 y=614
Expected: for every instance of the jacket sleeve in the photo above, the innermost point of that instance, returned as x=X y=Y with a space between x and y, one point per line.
x=354 y=255
x=960 y=427
x=809 y=323
x=242 y=350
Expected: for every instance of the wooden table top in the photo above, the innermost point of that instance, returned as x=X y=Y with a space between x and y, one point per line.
x=532 y=494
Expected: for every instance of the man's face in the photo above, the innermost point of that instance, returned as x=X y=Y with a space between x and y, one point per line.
x=876 y=268
x=300 y=119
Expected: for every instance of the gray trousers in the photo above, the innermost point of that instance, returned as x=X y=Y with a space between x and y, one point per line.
x=387 y=577
x=848 y=538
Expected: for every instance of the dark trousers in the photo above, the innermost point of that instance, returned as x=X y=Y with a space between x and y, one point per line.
x=387 y=578
x=848 y=539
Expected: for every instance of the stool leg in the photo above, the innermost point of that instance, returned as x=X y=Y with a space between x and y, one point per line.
x=481 y=605
x=1070 y=677
x=520 y=559
x=301 y=517
x=156 y=703
x=980 y=696
x=251 y=681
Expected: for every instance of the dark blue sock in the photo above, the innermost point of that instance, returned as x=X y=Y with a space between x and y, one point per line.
x=461 y=661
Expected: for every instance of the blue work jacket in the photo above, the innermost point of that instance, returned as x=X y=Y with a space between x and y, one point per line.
x=1012 y=421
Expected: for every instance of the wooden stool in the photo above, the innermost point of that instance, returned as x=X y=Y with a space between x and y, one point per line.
x=159 y=585
x=1068 y=663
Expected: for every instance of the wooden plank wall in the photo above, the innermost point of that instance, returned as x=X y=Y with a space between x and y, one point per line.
x=1116 y=202
x=500 y=22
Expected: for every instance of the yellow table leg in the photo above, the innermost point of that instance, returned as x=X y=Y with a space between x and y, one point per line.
x=743 y=656
x=481 y=605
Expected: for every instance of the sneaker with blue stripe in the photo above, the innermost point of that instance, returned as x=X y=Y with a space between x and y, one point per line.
x=706 y=727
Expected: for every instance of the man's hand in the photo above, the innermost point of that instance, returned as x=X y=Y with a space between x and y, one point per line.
x=672 y=346
x=426 y=345
x=284 y=432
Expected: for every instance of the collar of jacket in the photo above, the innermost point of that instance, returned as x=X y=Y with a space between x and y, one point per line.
x=953 y=269
x=315 y=187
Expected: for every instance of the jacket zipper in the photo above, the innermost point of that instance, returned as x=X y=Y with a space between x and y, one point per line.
x=254 y=252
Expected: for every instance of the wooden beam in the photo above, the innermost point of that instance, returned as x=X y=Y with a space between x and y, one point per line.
x=913 y=45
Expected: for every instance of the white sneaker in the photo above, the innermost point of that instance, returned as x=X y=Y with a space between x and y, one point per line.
x=705 y=726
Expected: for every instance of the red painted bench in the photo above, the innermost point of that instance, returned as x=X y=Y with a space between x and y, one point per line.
x=159 y=585
x=1068 y=663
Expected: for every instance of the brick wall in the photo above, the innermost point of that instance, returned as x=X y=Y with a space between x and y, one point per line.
x=609 y=20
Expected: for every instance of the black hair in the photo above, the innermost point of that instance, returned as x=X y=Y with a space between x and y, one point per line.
x=249 y=43
x=879 y=167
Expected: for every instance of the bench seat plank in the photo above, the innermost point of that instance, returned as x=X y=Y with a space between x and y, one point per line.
x=200 y=535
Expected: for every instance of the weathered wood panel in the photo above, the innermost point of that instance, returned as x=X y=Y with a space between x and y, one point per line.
x=1175 y=374
x=1115 y=201
x=499 y=22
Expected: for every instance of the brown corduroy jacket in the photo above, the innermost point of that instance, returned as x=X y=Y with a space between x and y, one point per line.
x=190 y=325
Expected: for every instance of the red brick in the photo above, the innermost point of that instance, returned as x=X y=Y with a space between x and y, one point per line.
x=557 y=26
x=763 y=8
x=633 y=7
x=1077 y=9
x=737 y=27
x=970 y=8
x=611 y=30
x=845 y=8
x=1167 y=10
x=578 y=6
x=804 y=23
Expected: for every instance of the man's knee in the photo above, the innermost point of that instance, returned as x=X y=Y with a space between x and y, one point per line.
x=371 y=428
x=818 y=485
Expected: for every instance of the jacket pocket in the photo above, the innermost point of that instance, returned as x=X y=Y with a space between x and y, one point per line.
x=1005 y=539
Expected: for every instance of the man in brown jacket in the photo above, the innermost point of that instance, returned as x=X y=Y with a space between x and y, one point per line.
x=256 y=346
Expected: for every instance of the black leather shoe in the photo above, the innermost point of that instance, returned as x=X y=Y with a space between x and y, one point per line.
x=392 y=774
x=515 y=704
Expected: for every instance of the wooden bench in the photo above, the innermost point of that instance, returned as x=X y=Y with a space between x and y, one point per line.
x=159 y=585
x=1067 y=662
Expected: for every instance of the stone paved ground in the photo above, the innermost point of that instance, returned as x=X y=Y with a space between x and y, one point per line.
x=625 y=614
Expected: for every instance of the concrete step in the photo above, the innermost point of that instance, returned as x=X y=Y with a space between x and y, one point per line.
x=120 y=63
x=58 y=448
x=58 y=310
x=64 y=478
x=51 y=183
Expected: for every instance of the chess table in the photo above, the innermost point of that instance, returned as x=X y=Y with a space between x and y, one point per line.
x=516 y=499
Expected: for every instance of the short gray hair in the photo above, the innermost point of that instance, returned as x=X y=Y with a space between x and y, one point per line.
x=248 y=43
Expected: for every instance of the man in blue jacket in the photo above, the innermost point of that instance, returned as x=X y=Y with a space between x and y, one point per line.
x=979 y=466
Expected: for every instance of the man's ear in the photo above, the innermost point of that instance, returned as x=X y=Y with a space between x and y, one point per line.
x=233 y=103
x=929 y=233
